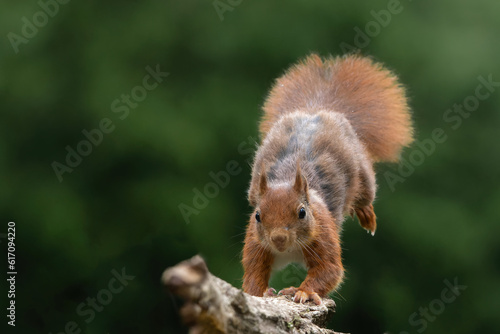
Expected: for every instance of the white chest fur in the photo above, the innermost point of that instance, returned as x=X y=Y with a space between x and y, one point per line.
x=281 y=260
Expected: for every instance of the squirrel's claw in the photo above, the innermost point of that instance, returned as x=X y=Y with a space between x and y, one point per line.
x=270 y=292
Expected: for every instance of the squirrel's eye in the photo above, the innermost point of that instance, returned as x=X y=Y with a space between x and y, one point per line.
x=257 y=216
x=302 y=213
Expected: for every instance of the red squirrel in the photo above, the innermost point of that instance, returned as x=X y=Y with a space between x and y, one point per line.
x=326 y=122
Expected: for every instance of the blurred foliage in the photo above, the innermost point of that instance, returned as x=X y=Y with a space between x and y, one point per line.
x=120 y=206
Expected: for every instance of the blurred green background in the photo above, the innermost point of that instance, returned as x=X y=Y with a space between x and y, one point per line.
x=119 y=207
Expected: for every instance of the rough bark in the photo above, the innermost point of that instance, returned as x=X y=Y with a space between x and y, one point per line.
x=214 y=306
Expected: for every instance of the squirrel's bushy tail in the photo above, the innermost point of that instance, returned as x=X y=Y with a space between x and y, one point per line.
x=368 y=94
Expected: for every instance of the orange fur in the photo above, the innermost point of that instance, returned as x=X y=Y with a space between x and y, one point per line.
x=325 y=124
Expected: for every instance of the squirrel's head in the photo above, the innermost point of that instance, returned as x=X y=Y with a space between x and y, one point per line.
x=283 y=215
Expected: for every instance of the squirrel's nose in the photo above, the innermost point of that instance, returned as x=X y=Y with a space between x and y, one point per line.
x=279 y=241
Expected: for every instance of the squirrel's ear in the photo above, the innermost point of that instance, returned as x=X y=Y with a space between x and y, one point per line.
x=300 y=185
x=262 y=183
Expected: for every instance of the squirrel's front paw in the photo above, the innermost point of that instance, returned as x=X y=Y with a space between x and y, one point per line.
x=301 y=296
x=291 y=291
x=270 y=292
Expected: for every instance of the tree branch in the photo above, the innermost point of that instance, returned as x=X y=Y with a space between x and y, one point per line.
x=214 y=306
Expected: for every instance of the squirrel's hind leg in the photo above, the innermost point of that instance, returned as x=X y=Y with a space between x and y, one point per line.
x=363 y=205
x=367 y=218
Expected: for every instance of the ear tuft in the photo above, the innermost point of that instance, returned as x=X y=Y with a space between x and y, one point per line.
x=263 y=183
x=300 y=185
